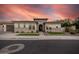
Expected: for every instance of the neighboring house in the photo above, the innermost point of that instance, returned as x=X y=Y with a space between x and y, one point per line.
x=38 y=25
x=73 y=27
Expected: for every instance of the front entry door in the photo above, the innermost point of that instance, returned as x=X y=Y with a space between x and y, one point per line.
x=40 y=27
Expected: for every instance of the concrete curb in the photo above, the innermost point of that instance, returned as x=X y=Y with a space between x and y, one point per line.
x=40 y=38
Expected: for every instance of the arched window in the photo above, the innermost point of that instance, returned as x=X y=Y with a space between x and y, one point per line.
x=46 y=28
x=24 y=26
x=33 y=27
x=29 y=27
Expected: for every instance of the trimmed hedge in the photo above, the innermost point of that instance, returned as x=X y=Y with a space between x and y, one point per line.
x=54 y=33
x=28 y=34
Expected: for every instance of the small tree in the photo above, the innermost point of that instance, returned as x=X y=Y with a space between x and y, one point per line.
x=66 y=24
x=76 y=23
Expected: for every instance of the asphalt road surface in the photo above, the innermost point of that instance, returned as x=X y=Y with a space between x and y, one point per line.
x=44 y=46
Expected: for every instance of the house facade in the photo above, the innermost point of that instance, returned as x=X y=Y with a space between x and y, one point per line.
x=38 y=25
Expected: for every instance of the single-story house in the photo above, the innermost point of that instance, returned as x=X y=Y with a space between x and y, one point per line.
x=38 y=25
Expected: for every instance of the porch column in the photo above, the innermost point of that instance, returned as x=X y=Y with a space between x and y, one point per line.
x=4 y=27
x=37 y=27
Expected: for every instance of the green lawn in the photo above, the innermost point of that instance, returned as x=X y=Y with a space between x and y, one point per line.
x=55 y=33
x=28 y=34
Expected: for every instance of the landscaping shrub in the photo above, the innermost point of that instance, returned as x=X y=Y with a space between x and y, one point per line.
x=72 y=32
x=31 y=31
x=28 y=34
x=22 y=32
x=17 y=32
x=77 y=30
x=36 y=31
x=53 y=33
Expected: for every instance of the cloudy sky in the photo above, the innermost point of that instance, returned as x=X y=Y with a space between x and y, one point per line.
x=30 y=11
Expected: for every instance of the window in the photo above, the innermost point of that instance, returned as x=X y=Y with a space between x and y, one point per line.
x=56 y=26
x=33 y=27
x=46 y=28
x=21 y=25
x=50 y=28
x=16 y=25
x=24 y=26
x=29 y=27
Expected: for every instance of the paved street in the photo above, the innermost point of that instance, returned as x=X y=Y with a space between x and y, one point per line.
x=44 y=46
x=41 y=44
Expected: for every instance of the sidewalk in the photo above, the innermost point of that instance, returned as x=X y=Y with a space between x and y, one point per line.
x=12 y=36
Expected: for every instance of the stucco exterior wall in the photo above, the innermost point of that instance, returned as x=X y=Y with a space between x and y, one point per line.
x=73 y=27
x=1 y=28
x=24 y=27
x=54 y=27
